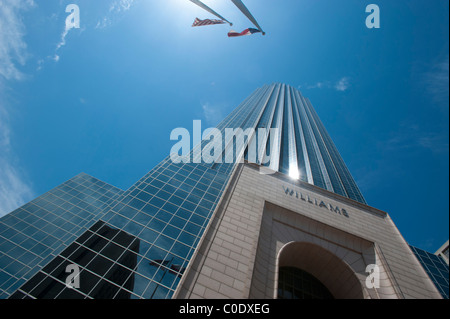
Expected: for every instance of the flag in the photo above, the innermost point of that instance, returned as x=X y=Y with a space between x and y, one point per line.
x=241 y=6
x=248 y=31
x=199 y=23
x=205 y=7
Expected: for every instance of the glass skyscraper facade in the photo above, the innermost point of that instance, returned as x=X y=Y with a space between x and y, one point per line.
x=436 y=268
x=138 y=243
x=32 y=235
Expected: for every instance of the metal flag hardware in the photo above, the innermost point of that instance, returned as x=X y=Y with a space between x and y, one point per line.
x=241 y=6
x=205 y=7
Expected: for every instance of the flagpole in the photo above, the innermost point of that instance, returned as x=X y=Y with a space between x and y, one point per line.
x=247 y=13
x=205 y=7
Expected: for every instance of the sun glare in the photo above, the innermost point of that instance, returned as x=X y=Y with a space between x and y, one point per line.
x=294 y=173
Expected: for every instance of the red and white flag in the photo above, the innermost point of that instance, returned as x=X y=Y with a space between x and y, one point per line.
x=248 y=31
x=199 y=23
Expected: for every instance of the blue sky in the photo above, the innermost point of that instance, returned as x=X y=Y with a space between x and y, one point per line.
x=104 y=98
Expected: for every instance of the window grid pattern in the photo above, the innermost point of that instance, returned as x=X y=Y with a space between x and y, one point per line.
x=436 y=268
x=294 y=283
x=167 y=211
x=445 y=252
x=107 y=259
x=36 y=232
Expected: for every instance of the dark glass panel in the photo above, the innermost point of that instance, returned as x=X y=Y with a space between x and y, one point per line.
x=294 y=283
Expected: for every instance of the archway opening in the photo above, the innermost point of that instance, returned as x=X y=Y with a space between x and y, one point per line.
x=323 y=272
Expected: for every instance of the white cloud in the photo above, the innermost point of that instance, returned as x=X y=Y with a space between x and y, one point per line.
x=121 y=5
x=436 y=143
x=318 y=85
x=4 y=127
x=14 y=191
x=63 y=39
x=72 y=21
x=342 y=85
x=212 y=114
x=103 y=23
x=409 y=137
x=117 y=7
x=437 y=82
x=12 y=46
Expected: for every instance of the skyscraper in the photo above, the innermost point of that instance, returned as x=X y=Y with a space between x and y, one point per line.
x=32 y=235
x=276 y=207
x=436 y=267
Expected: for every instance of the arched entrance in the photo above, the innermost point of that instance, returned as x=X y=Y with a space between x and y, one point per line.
x=306 y=270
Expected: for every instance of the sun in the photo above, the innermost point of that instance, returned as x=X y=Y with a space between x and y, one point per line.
x=182 y=7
